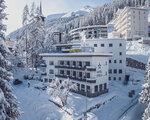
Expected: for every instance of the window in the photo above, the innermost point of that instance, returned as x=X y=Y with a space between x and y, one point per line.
x=95 y=32
x=61 y=62
x=120 y=53
x=109 y=61
x=68 y=72
x=110 y=45
x=120 y=71
x=120 y=44
x=90 y=32
x=51 y=63
x=51 y=71
x=78 y=86
x=74 y=73
x=105 y=86
x=89 y=36
x=109 y=78
x=80 y=64
x=100 y=87
x=87 y=63
x=114 y=78
x=119 y=78
x=120 y=61
x=68 y=63
x=110 y=71
x=96 y=88
x=74 y=63
x=102 y=45
x=88 y=88
x=61 y=71
x=95 y=45
x=80 y=74
x=115 y=61
x=82 y=87
x=87 y=75
x=50 y=80
x=115 y=71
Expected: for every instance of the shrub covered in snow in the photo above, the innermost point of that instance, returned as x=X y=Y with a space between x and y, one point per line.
x=61 y=90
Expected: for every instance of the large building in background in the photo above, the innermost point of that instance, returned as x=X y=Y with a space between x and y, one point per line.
x=131 y=22
x=89 y=71
x=95 y=31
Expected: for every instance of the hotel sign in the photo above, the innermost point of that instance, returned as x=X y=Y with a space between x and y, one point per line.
x=99 y=70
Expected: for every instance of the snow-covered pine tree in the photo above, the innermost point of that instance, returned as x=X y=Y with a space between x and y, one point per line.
x=33 y=10
x=145 y=94
x=9 y=109
x=36 y=38
x=25 y=16
x=146 y=115
x=8 y=104
x=21 y=47
x=33 y=36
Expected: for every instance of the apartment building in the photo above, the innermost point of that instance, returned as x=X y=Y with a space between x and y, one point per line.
x=131 y=22
x=89 y=71
x=115 y=46
x=95 y=31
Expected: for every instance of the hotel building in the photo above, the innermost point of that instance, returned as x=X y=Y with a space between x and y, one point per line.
x=89 y=71
x=131 y=22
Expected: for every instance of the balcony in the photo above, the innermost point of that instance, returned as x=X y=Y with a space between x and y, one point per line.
x=91 y=68
x=76 y=78
x=88 y=68
x=43 y=65
x=43 y=74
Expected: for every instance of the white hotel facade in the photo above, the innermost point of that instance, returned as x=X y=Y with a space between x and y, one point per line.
x=115 y=46
x=89 y=71
x=131 y=22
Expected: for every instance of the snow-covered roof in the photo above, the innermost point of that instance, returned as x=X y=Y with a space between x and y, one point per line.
x=79 y=54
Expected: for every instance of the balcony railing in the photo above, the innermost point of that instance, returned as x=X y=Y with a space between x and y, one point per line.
x=76 y=78
x=88 y=68
x=43 y=74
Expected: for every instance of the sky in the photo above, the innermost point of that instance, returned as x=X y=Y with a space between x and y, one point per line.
x=15 y=9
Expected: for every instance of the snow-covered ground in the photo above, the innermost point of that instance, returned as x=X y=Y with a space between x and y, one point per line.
x=36 y=105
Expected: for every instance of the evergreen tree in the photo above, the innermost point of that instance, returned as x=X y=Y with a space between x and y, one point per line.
x=33 y=10
x=33 y=36
x=145 y=94
x=8 y=104
x=25 y=16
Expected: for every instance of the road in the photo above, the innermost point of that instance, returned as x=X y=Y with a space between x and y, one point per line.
x=133 y=112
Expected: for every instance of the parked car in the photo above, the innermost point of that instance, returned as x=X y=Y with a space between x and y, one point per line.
x=17 y=82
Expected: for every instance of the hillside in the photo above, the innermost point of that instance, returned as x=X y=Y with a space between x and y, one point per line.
x=86 y=16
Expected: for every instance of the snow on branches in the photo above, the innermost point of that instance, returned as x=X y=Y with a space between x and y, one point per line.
x=145 y=94
x=9 y=109
x=60 y=90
